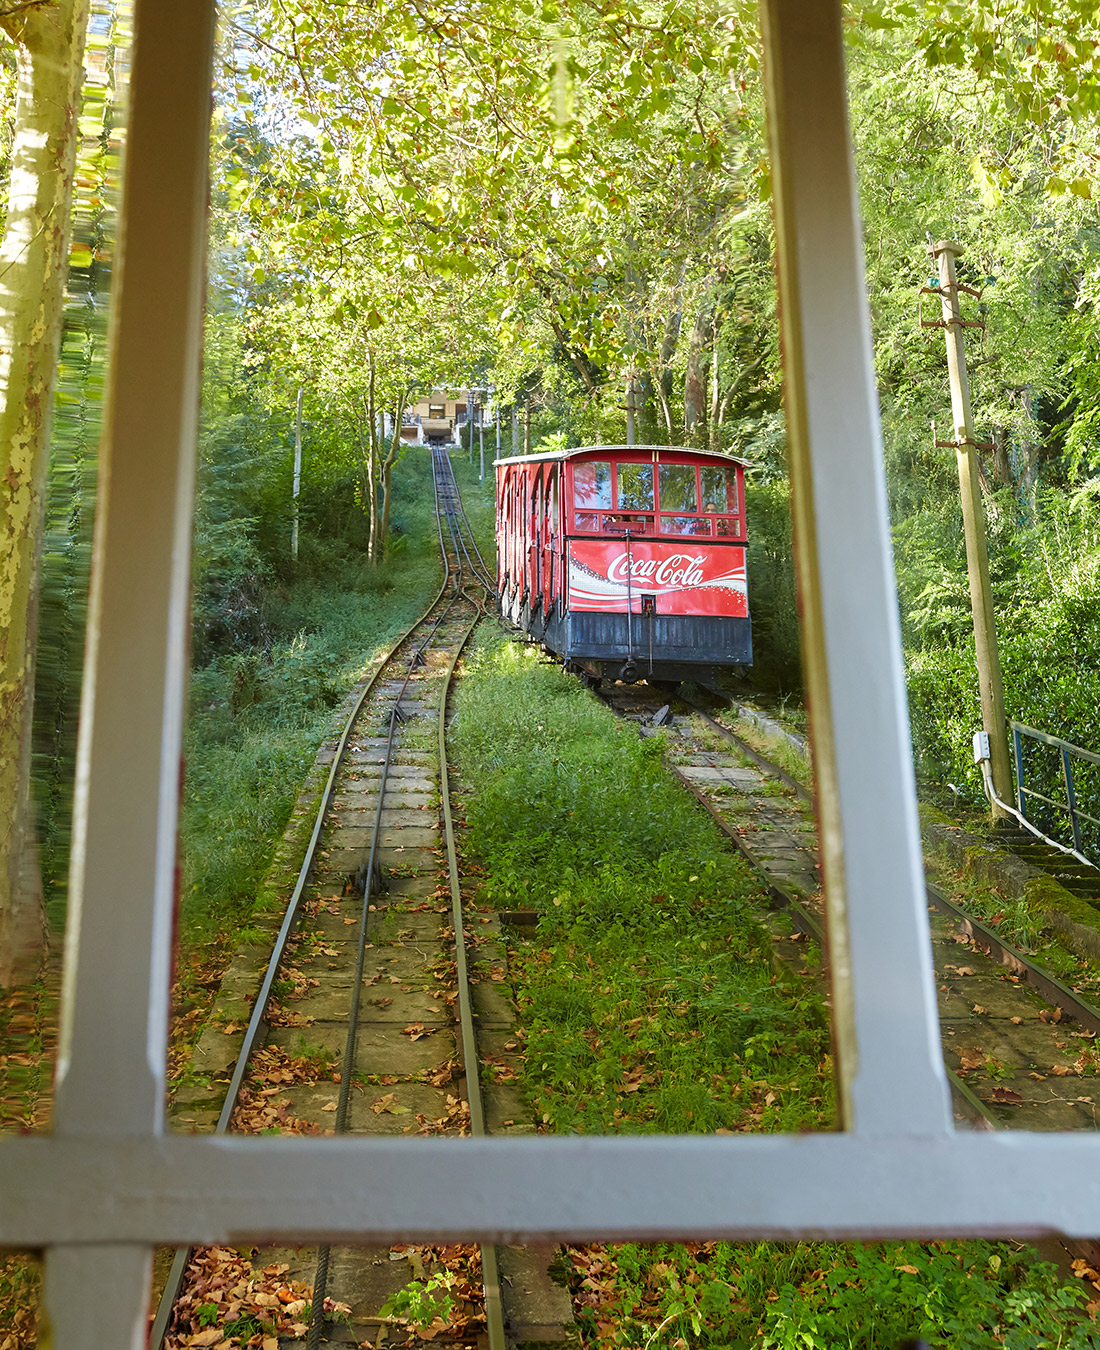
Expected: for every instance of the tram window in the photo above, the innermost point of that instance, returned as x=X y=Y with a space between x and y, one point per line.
x=677 y=484
x=586 y=520
x=592 y=485
x=635 y=487
x=719 y=488
x=729 y=527
x=636 y=524
x=685 y=525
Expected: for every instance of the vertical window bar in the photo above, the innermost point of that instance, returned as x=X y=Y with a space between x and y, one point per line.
x=1071 y=799
x=122 y=887
x=1021 y=795
x=890 y=1065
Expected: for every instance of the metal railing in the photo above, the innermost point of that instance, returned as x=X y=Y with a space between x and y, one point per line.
x=1067 y=806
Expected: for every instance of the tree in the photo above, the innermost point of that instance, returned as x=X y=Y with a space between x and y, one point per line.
x=49 y=42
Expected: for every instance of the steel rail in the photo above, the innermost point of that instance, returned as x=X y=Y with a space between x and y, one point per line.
x=370 y=886
x=490 y=1269
x=458 y=510
x=170 y=1293
x=985 y=938
x=479 y=569
x=259 y=1011
x=324 y=1255
x=1057 y=994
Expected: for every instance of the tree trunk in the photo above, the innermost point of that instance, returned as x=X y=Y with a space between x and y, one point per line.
x=297 y=475
x=33 y=261
x=1002 y=469
x=1028 y=454
x=695 y=388
x=669 y=343
x=374 y=544
x=647 y=418
x=390 y=460
x=715 y=395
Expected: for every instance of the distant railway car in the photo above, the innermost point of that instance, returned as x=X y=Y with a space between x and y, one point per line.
x=628 y=562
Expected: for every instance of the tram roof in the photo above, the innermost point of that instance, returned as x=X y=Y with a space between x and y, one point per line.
x=579 y=450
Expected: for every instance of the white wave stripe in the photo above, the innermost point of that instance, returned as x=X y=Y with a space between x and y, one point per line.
x=586 y=585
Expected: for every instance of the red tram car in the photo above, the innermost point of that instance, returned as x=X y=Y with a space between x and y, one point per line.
x=628 y=562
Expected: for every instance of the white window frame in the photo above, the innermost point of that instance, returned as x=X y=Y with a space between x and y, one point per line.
x=110 y=1182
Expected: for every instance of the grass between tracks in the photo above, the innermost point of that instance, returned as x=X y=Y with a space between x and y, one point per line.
x=650 y=1004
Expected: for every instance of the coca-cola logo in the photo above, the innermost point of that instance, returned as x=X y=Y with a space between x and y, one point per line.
x=679 y=569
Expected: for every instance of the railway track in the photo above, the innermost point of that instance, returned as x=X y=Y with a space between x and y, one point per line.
x=1019 y=1044
x=364 y=1021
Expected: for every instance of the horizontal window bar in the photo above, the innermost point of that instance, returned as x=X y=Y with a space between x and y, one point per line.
x=361 y=1190
x=1060 y=806
x=1057 y=741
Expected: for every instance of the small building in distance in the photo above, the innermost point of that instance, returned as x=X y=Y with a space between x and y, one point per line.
x=437 y=418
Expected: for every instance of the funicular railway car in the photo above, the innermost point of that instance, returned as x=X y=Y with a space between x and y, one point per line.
x=628 y=562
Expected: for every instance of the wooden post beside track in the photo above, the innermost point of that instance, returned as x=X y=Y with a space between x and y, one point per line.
x=988 y=659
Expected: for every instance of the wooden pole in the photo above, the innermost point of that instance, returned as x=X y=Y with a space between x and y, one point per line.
x=297 y=475
x=631 y=438
x=977 y=559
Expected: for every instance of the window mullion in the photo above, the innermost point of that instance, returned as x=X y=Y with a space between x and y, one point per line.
x=110 y=1080
x=885 y=1021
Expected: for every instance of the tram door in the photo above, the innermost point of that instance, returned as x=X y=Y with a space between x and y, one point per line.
x=549 y=537
x=534 y=552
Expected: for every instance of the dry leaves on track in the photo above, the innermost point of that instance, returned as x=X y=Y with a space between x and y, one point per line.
x=225 y=1302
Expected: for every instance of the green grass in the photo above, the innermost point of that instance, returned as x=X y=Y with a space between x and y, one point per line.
x=259 y=713
x=824 y=1296
x=649 y=1004
x=649 y=997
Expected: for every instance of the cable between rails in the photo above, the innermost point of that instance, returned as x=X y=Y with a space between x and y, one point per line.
x=174 y=1283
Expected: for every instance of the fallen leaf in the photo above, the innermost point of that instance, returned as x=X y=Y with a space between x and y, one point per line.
x=971 y=1058
x=207 y=1337
x=1006 y=1095
x=329 y=1106
x=1060 y=1070
x=978 y=1009
x=417 y=1031
x=1050 y=1014
x=909 y=1270
x=1016 y=1021
x=389 y=1104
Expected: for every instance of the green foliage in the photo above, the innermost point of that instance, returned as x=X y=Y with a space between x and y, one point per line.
x=649 y=1002
x=566 y=792
x=422 y=1302
x=266 y=694
x=773 y=602
x=813 y=1296
x=1047 y=586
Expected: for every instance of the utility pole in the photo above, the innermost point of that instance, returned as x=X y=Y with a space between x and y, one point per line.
x=631 y=436
x=496 y=418
x=297 y=476
x=988 y=659
x=481 y=445
x=515 y=430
